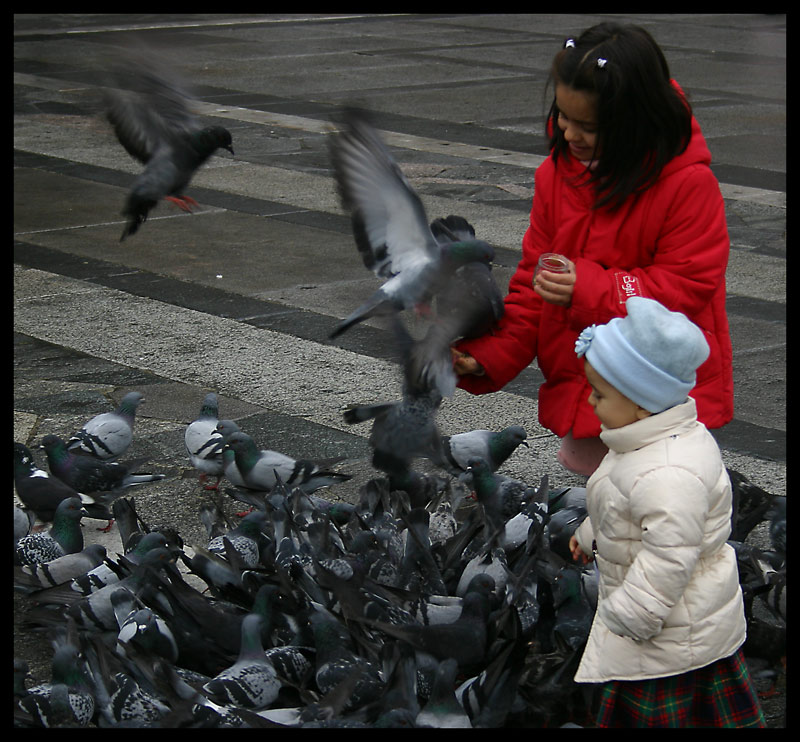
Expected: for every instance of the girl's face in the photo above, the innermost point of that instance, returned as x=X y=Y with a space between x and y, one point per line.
x=612 y=408
x=577 y=118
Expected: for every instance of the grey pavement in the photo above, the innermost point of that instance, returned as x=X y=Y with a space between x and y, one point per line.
x=239 y=297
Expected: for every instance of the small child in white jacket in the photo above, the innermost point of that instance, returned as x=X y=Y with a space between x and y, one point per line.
x=667 y=635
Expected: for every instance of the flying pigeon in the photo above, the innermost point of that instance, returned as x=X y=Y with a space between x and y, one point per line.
x=110 y=434
x=261 y=469
x=87 y=474
x=63 y=537
x=494 y=447
x=204 y=442
x=390 y=226
x=405 y=429
x=153 y=122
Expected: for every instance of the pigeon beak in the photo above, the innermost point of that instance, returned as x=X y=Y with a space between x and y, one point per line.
x=230 y=148
x=525 y=443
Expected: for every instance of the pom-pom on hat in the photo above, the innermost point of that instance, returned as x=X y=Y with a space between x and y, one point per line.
x=650 y=356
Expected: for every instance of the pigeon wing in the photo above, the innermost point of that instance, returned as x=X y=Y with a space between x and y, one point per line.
x=389 y=220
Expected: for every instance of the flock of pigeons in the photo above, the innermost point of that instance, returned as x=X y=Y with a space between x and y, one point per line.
x=444 y=600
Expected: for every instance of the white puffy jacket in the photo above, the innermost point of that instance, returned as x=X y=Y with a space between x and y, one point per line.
x=659 y=512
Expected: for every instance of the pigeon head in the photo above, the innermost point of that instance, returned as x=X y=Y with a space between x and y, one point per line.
x=54 y=445
x=22 y=457
x=468 y=251
x=220 y=137
x=71 y=507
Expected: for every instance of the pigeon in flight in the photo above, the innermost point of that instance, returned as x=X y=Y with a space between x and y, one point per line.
x=153 y=121
x=391 y=227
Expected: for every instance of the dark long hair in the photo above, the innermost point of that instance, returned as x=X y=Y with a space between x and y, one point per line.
x=642 y=120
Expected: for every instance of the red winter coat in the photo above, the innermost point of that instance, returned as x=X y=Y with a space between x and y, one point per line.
x=670 y=244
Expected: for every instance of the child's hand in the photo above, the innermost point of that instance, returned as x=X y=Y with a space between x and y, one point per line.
x=577 y=552
x=556 y=288
x=464 y=363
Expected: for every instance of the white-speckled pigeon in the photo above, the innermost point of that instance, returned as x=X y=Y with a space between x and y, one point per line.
x=251 y=681
x=66 y=701
x=63 y=537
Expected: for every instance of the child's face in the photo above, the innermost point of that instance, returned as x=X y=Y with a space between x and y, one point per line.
x=612 y=407
x=577 y=118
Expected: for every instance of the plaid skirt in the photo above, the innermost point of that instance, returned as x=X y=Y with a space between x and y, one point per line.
x=718 y=695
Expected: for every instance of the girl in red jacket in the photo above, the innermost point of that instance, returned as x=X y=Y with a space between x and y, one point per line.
x=628 y=197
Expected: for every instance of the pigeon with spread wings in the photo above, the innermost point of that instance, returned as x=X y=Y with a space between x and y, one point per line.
x=153 y=121
x=391 y=227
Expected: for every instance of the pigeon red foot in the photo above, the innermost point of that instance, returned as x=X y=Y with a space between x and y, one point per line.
x=184 y=203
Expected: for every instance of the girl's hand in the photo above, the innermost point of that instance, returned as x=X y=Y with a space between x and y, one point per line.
x=556 y=288
x=464 y=363
x=577 y=552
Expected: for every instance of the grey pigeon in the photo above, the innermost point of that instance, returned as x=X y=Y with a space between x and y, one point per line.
x=464 y=639
x=110 y=434
x=251 y=681
x=95 y=612
x=24 y=520
x=336 y=662
x=63 y=537
x=563 y=523
x=262 y=469
x=66 y=701
x=120 y=698
x=501 y=497
x=141 y=628
x=86 y=474
x=390 y=226
x=58 y=571
x=204 y=442
x=471 y=303
x=777 y=524
x=494 y=447
x=226 y=428
x=404 y=429
x=152 y=120
x=443 y=711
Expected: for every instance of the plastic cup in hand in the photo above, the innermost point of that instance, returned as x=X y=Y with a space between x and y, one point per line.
x=553 y=262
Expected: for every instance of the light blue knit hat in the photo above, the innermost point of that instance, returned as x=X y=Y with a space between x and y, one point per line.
x=650 y=356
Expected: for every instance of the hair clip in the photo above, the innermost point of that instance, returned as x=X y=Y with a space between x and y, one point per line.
x=584 y=340
x=569 y=44
x=601 y=62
